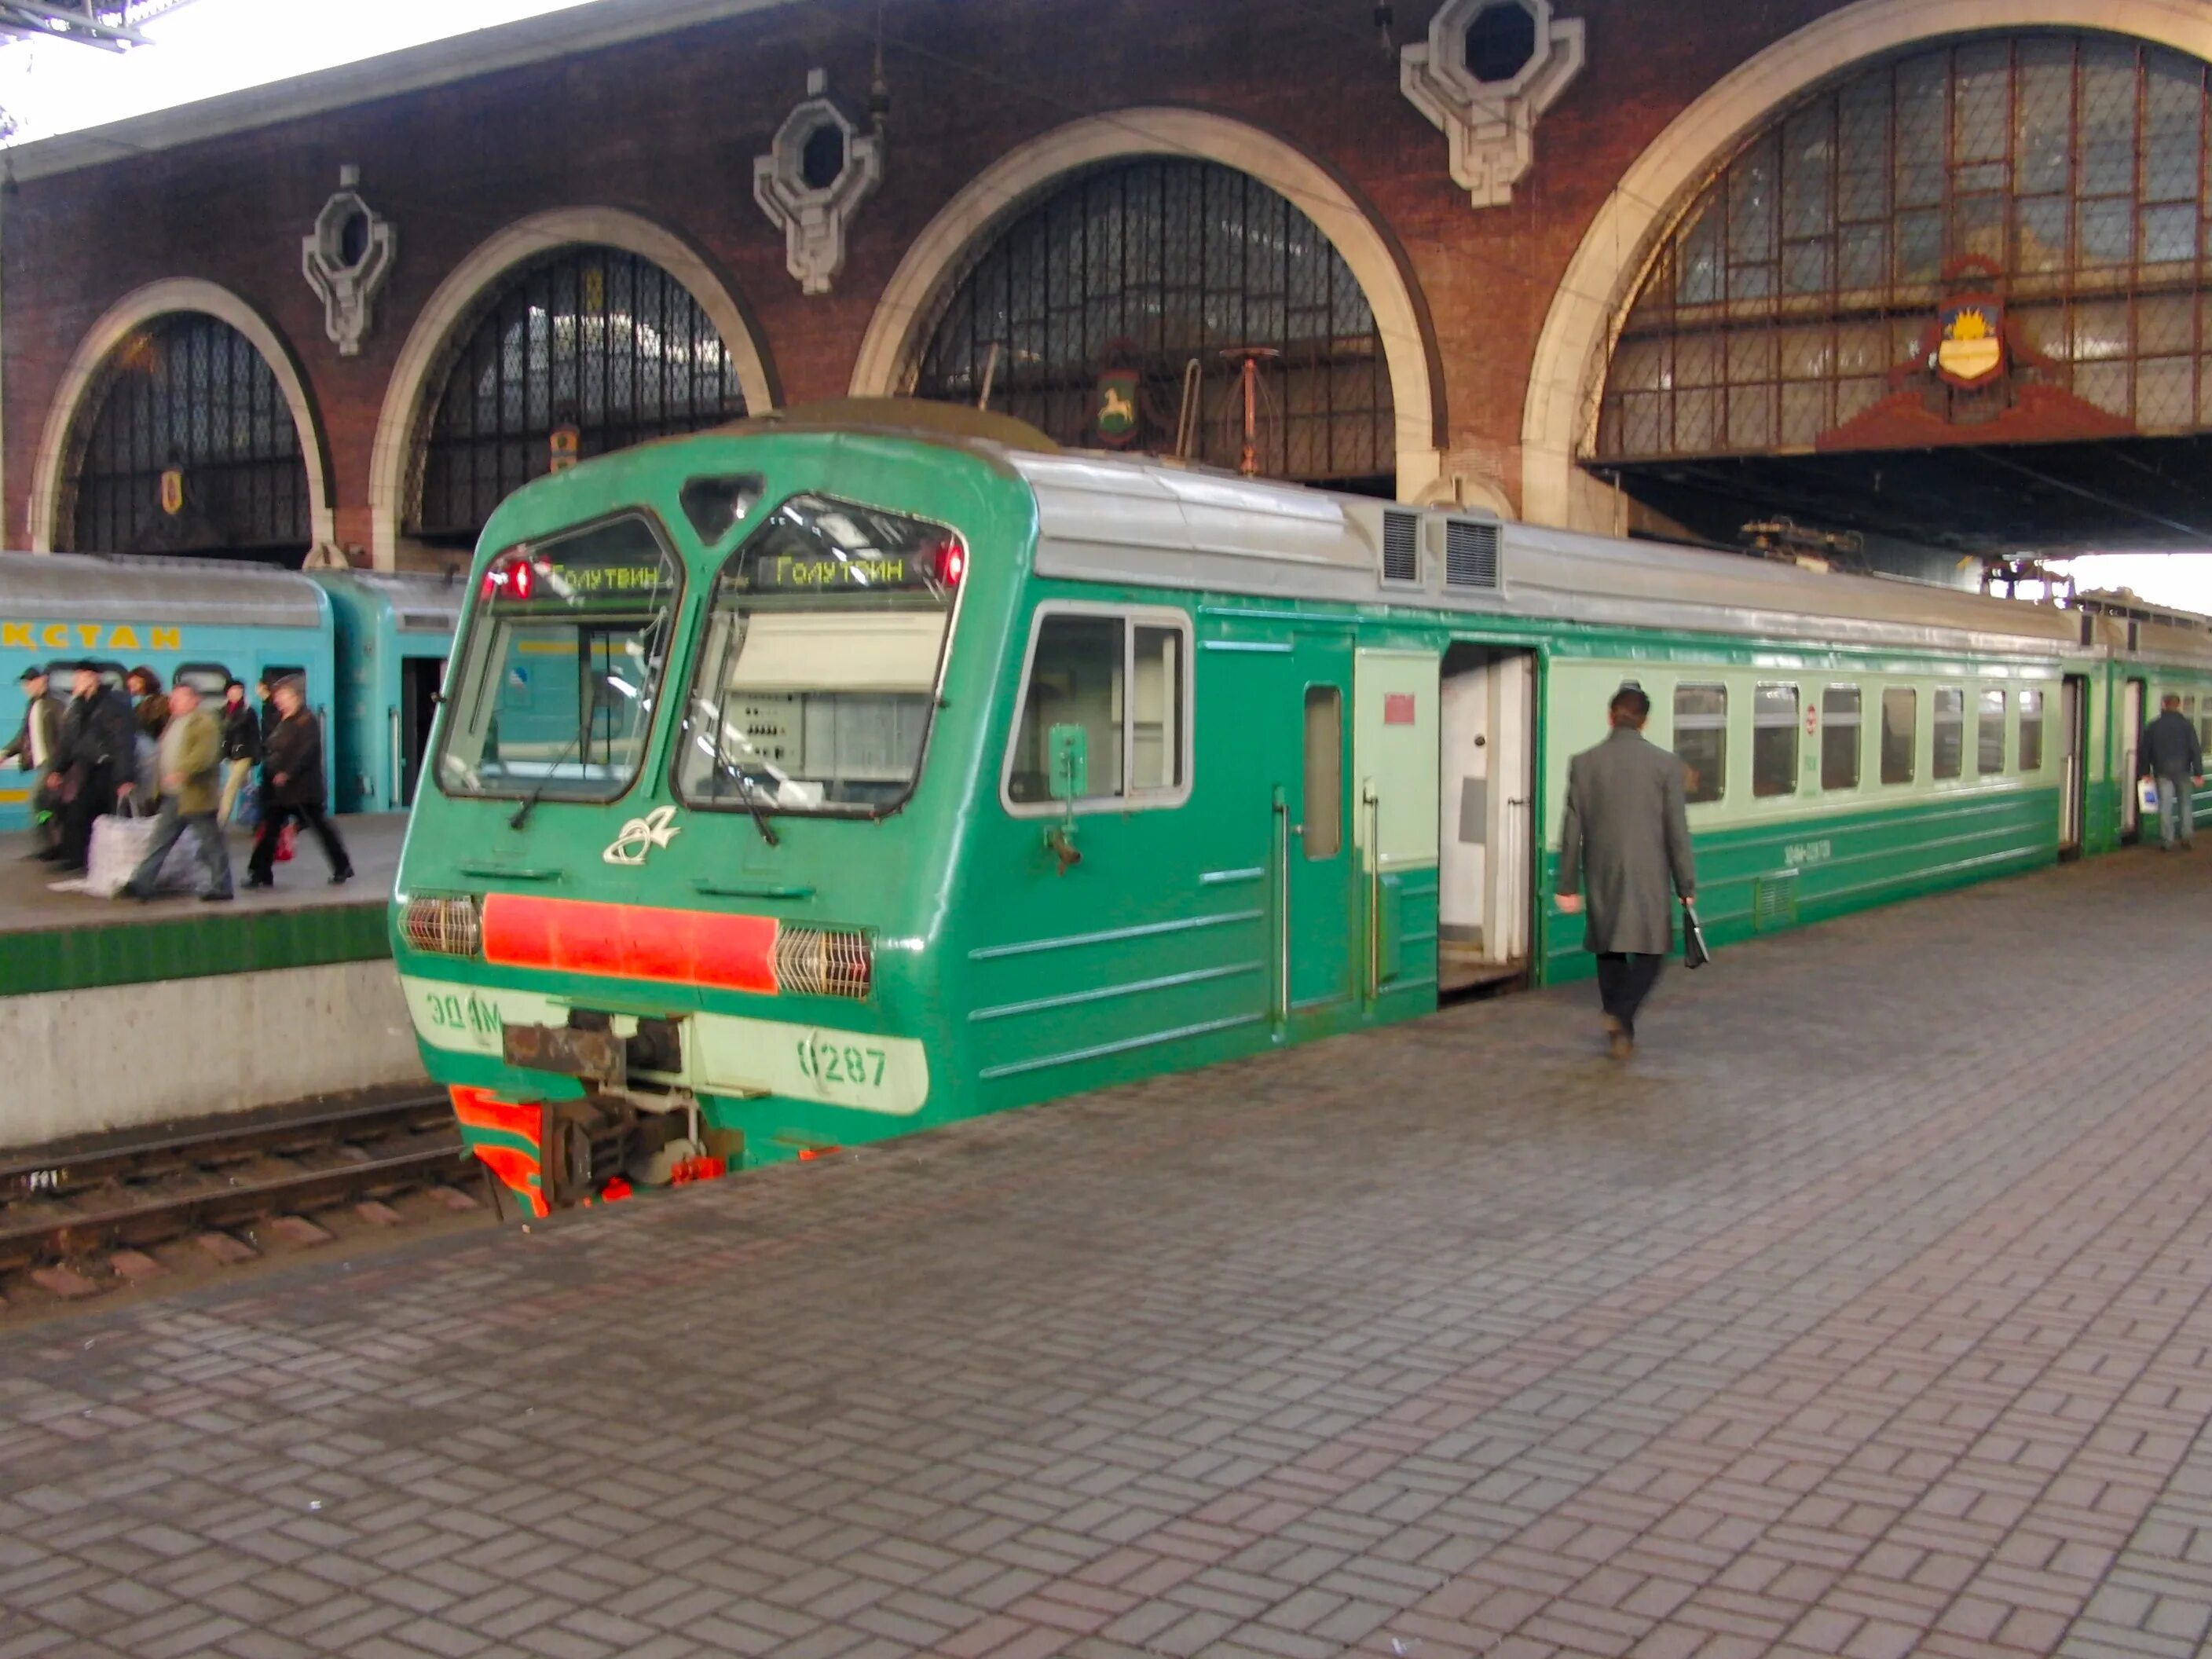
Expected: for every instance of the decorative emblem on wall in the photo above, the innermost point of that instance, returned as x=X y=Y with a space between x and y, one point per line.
x=172 y=490
x=1970 y=340
x=346 y=258
x=1488 y=69
x=1974 y=377
x=818 y=170
x=1115 y=418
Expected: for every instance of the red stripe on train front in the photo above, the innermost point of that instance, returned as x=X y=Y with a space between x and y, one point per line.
x=631 y=941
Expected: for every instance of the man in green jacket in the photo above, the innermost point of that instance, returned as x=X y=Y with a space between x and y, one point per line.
x=191 y=790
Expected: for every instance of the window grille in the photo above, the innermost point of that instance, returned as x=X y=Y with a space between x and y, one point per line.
x=1470 y=554
x=1149 y=265
x=1811 y=263
x=186 y=392
x=1402 y=547
x=601 y=341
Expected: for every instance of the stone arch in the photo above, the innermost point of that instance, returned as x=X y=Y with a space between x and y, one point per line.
x=135 y=311
x=1578 y=331
x=932 y=264
x=450 y=306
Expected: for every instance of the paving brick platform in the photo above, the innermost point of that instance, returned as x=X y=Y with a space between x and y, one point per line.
x=1865 y=1315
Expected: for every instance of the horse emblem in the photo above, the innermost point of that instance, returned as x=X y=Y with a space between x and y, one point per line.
x=640 y=836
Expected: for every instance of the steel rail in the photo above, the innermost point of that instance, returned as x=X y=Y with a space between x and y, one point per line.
x=153 y=1191
x=47 y=1173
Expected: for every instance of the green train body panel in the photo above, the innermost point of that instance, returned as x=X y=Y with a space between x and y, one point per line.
x=1024 y=950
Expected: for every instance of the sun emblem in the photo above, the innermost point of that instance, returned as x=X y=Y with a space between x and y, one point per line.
x=1971 y=347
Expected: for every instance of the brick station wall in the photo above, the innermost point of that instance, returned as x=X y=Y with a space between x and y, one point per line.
x=668 y=128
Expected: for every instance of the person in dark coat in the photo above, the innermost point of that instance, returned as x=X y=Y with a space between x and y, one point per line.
x=263 y=688
x=150 y=707
x=1625 y=838
x=241 y=747
x=292 y=761
x=94 y=766
x=33 y=747
x=2173 y=757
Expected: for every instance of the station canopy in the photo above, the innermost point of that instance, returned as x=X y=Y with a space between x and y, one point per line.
x=112 y=24
x=1960 y=299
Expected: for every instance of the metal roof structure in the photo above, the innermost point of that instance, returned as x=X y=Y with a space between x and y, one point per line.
x=111 y=25
x=577 y=30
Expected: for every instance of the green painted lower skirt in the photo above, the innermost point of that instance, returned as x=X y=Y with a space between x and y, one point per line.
x=191 y=947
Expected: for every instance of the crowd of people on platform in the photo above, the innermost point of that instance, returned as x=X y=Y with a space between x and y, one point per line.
x=136 y=749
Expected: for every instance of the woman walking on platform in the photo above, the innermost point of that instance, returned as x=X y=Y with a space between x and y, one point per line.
x=293 y=763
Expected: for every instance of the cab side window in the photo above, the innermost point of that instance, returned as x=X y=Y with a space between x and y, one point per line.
x=1122 y=680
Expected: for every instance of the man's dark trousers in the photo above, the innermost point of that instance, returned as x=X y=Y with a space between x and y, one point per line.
x=1623 y=980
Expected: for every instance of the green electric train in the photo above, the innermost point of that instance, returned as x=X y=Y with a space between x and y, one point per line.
x=827 y=777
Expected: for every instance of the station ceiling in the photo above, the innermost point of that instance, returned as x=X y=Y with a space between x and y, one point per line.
x=2119 y=494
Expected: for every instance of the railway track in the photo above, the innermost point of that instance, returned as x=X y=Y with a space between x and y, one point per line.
x=72 y=1226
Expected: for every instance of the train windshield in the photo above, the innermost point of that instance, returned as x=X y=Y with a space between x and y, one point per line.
x=824 y=642
x=555 y=694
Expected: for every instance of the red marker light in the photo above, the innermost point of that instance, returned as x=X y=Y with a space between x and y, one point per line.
x=525 y=577
x=952 y=563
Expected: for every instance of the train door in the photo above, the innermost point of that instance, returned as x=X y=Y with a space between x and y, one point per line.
x=2132 y=700
x=419 y=678
x=1394 y=752
x=1315 y=912
x=2074 y=711
x=1486 y=815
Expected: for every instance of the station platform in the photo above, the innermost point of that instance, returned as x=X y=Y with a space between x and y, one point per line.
x=115 y=1013
x=1867 y=1312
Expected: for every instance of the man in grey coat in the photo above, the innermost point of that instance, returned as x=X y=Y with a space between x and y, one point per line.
x=1626 y=835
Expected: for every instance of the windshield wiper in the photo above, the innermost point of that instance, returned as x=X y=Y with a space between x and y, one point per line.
x=522 y=812
x=746 y=787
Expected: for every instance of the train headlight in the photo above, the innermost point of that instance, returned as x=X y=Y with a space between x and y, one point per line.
x=443 y=926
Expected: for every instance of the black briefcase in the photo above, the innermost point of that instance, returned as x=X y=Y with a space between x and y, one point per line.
x=1695 y=954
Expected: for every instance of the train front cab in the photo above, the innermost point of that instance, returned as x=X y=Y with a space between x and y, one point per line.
x=676 y=883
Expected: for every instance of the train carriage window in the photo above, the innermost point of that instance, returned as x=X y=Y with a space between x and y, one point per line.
x=1701 y=740
x=1950 y=732
x=1839 y=737
x=1323 y=834
x=1990 y=734
x=1124 y=679
x=819 y=676
x=1774 y=740
x=209 y=679
x=1900 y=729
x=2030 y=731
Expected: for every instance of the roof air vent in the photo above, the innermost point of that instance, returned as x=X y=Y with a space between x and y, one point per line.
x=1402 y=547
x=1470 y=554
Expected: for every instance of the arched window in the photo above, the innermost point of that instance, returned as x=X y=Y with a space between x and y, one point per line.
x=185 y=444
x=2062 y=174
x=590 y=339
x=1085 y=310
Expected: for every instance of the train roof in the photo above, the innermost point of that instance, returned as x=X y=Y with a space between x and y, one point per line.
x=419 y=603
x=1150 y=522
x=132 y=588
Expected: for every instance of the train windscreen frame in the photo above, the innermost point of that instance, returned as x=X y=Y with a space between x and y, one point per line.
x=568 y=640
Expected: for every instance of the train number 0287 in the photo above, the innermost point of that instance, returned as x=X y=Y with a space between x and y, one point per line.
x=452 y=1013
x=831 y=1062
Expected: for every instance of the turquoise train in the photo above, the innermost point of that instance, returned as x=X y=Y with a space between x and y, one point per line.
x=833 y=775
x=372 y=648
